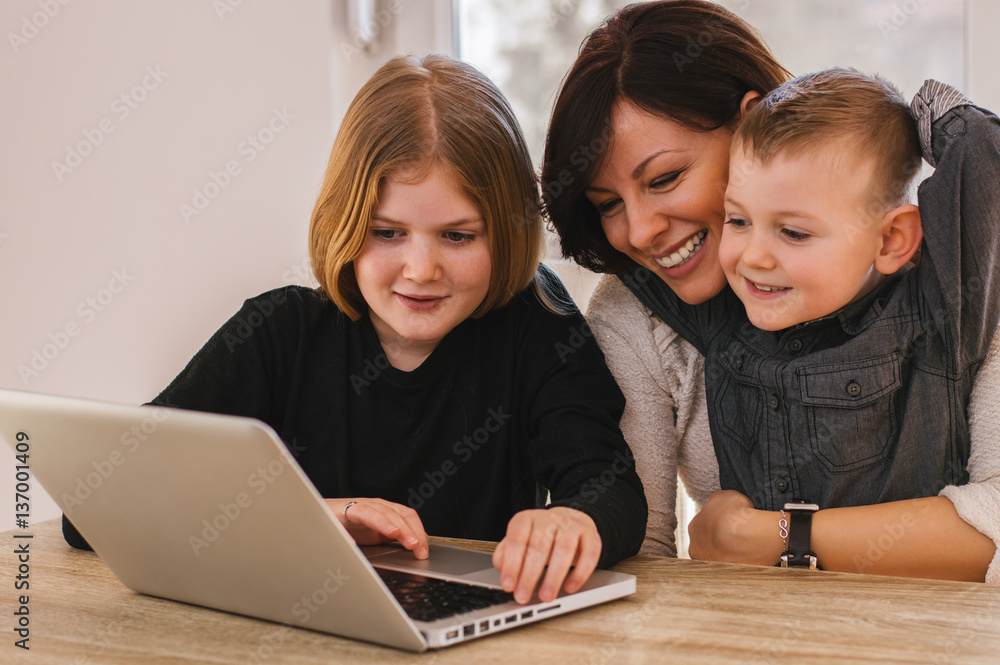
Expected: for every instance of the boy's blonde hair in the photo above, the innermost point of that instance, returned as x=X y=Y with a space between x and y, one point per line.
x=412 y=114
x=864 y=116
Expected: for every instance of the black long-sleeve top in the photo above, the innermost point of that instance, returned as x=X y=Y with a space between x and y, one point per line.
x=507 y=406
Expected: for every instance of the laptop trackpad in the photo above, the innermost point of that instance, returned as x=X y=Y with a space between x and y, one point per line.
x=444 y=561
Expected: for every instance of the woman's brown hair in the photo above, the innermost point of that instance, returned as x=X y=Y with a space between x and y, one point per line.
x=689 y=61
x=413 y=113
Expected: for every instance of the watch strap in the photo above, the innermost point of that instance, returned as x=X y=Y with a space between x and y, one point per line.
x=799 y=553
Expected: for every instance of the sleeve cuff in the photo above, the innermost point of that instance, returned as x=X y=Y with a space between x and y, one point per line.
x=979 y=505
x=620 y=517
x=933 y=100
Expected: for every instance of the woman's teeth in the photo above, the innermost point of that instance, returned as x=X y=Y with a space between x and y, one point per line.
x=684 y=254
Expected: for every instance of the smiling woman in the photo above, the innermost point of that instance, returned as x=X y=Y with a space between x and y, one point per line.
x=658 y=195
x=660 y=187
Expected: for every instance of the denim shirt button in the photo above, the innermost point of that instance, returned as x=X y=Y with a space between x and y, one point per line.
x=781 y=484
x=772 y=402
x=795 y=345
x=853 y=389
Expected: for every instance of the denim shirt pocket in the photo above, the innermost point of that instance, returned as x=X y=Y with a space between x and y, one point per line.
x=738 y=400
x=851 y=410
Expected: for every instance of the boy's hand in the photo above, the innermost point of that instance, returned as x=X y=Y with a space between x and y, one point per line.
x=557 y=537
x=376 y=521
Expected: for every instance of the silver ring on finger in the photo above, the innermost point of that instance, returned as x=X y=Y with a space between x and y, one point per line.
x=346 y=506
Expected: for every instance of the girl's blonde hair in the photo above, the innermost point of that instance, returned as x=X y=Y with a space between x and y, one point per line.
x=412 y=114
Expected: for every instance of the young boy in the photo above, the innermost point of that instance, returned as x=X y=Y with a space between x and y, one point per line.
x=836 y=371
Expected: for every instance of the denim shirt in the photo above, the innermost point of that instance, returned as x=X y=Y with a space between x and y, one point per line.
x=868 y=404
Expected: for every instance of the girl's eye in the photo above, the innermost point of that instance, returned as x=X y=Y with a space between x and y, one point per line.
x=737 y=222
x=792 y=234
x=385 y=234
x=665 y=180
x=459 y=237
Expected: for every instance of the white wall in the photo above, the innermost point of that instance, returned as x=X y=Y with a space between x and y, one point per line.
x=107 y=286
x=982 y=53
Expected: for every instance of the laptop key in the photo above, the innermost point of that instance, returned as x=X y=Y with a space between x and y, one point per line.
x=429 y=599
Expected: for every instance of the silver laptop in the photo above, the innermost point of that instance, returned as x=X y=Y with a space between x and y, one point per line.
x=213 y=510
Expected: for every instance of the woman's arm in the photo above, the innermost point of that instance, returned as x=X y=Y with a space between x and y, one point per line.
x=952 y=536
x=978 y=502
x=913 y=538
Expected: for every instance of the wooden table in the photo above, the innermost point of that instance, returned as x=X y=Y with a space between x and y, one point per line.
x=684 y=612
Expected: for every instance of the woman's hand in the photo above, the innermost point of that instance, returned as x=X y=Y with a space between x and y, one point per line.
x=557 y=537
x=728 y=528
x=375 y=521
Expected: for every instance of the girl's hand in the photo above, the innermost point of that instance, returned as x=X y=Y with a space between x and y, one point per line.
x=376 y=521
x=557 y=537
x=728 y=528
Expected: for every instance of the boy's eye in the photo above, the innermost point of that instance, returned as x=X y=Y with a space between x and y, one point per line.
x=737 y=222
x=792 y=234
x=459 y=236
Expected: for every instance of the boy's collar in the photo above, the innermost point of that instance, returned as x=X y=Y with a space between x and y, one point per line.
x=858 y=315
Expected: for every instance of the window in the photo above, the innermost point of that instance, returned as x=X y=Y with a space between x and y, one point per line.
x=527 y=46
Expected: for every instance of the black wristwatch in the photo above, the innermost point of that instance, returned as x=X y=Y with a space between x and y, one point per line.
x=799 y=553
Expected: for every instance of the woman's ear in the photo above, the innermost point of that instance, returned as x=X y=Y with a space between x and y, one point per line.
x=748 y=102
x=901 y=238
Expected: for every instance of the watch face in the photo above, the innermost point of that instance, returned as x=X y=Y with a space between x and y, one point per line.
x=811 y=507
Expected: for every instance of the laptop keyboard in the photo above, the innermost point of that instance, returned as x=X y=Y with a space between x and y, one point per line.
x=428 y=599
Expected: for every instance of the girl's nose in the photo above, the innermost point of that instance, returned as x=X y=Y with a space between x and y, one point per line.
x=421 y=262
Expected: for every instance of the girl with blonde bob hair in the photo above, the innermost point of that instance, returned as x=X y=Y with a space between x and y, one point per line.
x=441 y=380
x=442 y=112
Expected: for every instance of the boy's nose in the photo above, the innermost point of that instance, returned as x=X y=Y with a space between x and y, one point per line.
x=757 y=253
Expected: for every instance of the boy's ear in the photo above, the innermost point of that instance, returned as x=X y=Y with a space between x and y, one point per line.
x=748 y=102
x=901 y=238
